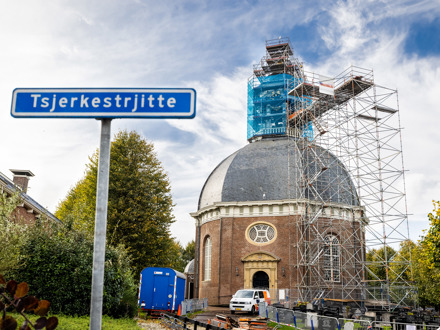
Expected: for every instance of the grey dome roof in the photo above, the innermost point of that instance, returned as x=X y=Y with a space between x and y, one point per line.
x=271 y=169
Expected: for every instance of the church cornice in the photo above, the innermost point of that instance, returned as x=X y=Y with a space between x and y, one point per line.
x=285 y=207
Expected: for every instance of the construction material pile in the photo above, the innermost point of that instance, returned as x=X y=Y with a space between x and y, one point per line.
x=225 y=322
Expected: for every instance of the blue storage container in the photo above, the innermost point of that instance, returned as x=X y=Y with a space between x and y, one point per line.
x=161 y=289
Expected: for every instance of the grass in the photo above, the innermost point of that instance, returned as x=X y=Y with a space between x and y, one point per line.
x=143 y=315
x=194 y=314
x=82 y=322
x=279 y=326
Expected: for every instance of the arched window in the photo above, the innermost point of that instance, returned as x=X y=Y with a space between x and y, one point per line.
x=208 y=249
x=332 y=259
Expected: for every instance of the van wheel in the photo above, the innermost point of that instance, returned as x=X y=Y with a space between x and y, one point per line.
x=232 y=312
x=253 y=310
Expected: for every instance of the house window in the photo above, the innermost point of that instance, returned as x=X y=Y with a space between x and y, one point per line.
x=208 y=250
x=332 y=259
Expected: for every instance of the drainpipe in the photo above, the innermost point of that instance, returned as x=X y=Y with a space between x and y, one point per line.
x=219 y=258
x=197 y=260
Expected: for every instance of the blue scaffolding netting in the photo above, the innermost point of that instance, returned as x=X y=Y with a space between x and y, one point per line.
x=268 y=105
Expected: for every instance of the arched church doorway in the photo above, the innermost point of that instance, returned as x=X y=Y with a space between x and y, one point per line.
x=260 y=270
x=260 y=280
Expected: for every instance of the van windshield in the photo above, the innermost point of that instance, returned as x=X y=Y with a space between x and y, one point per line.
x=244 y=294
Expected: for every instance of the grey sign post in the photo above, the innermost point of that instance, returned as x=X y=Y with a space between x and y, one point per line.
x=104 y=104
x=100 y=226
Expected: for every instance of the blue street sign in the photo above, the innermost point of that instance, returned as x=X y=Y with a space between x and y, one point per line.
x=103 y=103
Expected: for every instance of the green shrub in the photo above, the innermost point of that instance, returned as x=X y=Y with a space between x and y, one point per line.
x=57 y=264
x=12 y=233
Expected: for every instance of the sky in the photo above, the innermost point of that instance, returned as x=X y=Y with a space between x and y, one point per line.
x=210 y=46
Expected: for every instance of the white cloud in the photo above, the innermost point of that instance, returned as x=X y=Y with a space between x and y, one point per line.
x=381 y=48
x=347 y=34
x=219 y=129
x=208 y=46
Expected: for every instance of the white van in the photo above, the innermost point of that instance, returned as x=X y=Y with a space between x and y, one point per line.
x=247 y=300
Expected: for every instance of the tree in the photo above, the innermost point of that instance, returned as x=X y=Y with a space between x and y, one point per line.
x=78 y=208
x=140 y=204
x=432 y=240
x=183 y=255
x=403 y=262
x=426 y=263
x=12 y=233
x=378 y=263
x=189 y=252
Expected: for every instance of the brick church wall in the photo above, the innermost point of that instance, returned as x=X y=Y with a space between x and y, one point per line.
x=230 y=246
x=227 y=267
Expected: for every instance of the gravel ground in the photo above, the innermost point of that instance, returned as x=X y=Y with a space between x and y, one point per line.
x=151 y=324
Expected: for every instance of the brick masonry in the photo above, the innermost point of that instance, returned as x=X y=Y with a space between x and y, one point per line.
x=230 y=246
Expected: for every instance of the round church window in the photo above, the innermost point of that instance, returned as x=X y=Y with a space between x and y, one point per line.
x=261 y=233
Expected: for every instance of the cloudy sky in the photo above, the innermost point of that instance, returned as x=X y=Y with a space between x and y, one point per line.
x=209 y=46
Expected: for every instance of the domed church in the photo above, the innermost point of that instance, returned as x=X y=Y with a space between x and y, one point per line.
x=281 y=213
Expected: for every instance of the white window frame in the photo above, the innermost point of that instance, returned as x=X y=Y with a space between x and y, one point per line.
x=207 y=260
x=332 y=259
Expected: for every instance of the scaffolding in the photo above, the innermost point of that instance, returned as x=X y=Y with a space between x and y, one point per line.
x=267 y=90
x=349 y=228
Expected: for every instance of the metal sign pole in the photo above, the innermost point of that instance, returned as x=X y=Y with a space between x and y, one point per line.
x=104 y=104
x=100 y=227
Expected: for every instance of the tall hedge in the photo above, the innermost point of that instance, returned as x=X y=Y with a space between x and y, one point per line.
x=57 y=264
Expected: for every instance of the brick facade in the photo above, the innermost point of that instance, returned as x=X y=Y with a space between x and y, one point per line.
x=235 y=258
x=24 y=216
x=29 y=210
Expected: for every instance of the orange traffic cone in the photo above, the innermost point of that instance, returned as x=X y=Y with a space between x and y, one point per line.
x=179 y=311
